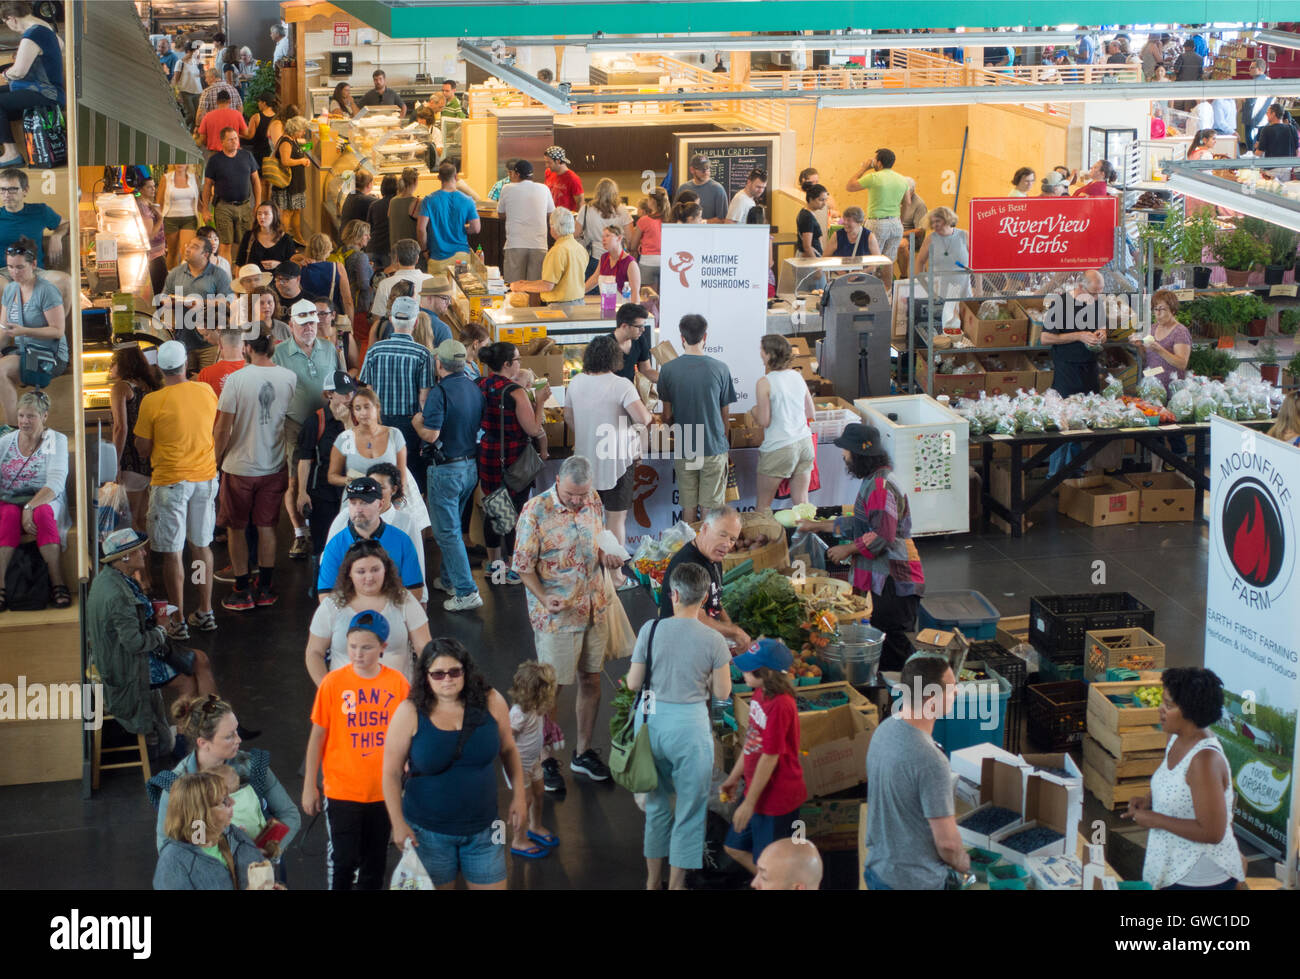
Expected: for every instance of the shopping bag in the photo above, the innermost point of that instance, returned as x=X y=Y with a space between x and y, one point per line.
x=620 y=638
x=45 y=132
x=410 y=874
x=814 y=482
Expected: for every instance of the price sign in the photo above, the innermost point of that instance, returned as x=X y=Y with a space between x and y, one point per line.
x=1185 y=295
x=1283 y=290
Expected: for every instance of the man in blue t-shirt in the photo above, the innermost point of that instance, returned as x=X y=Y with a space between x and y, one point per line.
x=446 y=216
x=364 y=523
x=167 y=57
x=19 y=219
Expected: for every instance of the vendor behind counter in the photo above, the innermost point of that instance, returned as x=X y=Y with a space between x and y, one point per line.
x=564 y=270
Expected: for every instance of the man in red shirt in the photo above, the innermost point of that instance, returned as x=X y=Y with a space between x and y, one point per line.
x=231 y=343
x=563 y=183
x=220 y=118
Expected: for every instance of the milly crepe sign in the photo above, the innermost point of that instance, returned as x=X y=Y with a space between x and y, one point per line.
x=1036 y=234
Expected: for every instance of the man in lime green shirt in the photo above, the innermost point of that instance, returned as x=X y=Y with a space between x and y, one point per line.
x=889 y=192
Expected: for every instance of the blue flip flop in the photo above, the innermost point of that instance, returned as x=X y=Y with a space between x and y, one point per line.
x=545 y=839
x=532 y=853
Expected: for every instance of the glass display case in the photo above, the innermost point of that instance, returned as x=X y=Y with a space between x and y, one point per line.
x=1109 y=143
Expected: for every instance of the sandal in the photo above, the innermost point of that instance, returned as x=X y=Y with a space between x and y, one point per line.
x=60 y=597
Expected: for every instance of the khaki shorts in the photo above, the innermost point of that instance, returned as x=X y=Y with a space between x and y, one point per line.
x=522 y=263
x=292 y=430
x=572 y=652
x=182 y=511
x=232 y=221
x=791 y=461
x=701 y=481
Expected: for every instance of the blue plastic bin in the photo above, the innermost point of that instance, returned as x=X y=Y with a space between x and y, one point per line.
x=968 y=611
x=963 y=727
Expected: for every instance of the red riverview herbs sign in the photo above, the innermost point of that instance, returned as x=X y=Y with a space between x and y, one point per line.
x=1035 y=234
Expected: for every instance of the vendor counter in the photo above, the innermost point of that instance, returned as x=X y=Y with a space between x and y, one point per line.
x=567 y=324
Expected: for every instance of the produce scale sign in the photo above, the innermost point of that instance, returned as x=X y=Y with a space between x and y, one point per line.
x=1251 y=639
x=1040 y=234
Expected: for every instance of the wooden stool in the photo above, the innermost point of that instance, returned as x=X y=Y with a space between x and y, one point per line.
x=98 y=750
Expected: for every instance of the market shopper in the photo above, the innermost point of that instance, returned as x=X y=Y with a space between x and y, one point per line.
x=719 y=531
x=222 y=116
x=1254 y=112
x=711 y=194
x=1098 y=180
x=355 y=241
x=885 y=560
x=446 y=217
x=783 y=407
x=410 y=517
x=1277 y=138
x=888 y=195
x=1286 y=427
x=406 y=257
x=291 y=200
x=912 y=830
x=363 y=496
x=35 y=77
x=187 y=80
x=806 y=224
x=318 y=500
x=1022 y=181
x=133 y=377
x=565 y=185
x=788 y=865
x=215 y=859
x=944 y=257
x=748 y=196
x=681 y=664
x=1166 y=350
x=524 y=206
x=33 y=492
x=647 y=233
x=19 y=219
x=32 y=322
x=1190 y=846
x=604 y=211
x=631 y=331
x=377 y=217
x=401 y=372
x=232 y=187
x=266 y=244
x=210 y=99
x=564 y=269
x=370 y=441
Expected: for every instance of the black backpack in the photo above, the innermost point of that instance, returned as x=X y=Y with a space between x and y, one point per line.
x=27 y=580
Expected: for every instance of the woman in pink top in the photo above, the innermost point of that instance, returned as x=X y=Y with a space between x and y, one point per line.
x=616 y=261
x=646 y=234
x=1168 y=349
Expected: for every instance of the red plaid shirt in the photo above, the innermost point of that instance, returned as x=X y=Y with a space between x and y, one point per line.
x=499 y=422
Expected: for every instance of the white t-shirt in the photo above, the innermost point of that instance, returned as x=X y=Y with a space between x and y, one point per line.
x=259 y=399
x=331 y=622
x=740 y=207
x=379 y=307
x=591 y=223
x=529 y=730
x=525 y=206
x=1204 y=115
x=398 y=518
x=180 y=201
x=356 y=464
x=789 y=424
x=604 y=429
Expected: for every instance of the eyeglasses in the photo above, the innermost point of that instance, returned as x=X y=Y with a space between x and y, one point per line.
x=325 y=314
x=455 y=673
x=1159 y=308
x=15 y=189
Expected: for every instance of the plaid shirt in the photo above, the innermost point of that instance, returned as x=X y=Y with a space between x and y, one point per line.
x=398 y=369
x=208 y=98
x=498 y=423
x=560 y=545
x=881 y=530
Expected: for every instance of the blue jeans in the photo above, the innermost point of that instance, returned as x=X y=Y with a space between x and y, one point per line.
x=675 y=812
x=450 y=487
x=476 y=858
x=874 y=883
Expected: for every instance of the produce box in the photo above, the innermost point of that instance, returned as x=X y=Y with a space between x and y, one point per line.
x=831 y=403
x=1127 y=649
x=1133 y=764
x=1015 y=372
x=1058 y=623
x=554 y=433
x=941 y=642
x=968 y=763
x=1058 y=714
x=1047 y=807
x=954 y=385
x=549 y=366
x=1000 y=788
x=1011 y=331
x=1099 y=501
x=1114 y=708
x=1164 y=497
x=800 y=347
x=1058 y=769
x=832 y=824
x=833 y=742
x=806 y=366
x=1114 y=795
x=1123 y=364
x=743 y=432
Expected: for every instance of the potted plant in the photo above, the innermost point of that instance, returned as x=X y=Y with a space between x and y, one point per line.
x=1281 y=254
x=1268 y=366
x=1288 y=321
x=1193 y=237
x=1253 y=312
x=1163 y=238
x=1292 y=375
x=1212 y=363
x=1239 y=251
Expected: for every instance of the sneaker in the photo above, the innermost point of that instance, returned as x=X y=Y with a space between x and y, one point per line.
x=203 y=621
x=588 y=763
x=463 y=603
x=177 y=630
x=552 y=780
x=264 y=597
x=226 y=575
x=437 y=585
x=300 y=548
x=238 y=601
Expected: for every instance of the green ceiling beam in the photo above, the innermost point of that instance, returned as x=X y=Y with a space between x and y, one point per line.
x=490 y=18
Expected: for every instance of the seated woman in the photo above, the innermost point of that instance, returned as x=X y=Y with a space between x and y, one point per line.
x=35 y=78
x=368 y=582
x=33 y=492
x=220 y=858
x=31 y=322
x=855 y=238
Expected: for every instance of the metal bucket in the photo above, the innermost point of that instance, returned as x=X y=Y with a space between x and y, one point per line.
x=855 y=658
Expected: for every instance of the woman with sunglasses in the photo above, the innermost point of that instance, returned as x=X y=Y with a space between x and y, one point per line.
x=202 y=848
x=31 y=319
x=452 y=730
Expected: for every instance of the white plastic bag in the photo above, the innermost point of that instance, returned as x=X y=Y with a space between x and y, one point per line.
x=410 y=874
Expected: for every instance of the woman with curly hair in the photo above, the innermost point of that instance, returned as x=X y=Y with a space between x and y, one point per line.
x=533 y=691
x=452 y=729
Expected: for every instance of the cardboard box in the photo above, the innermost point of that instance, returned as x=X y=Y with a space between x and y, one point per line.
x=1000 y=786
x=1018 y=373
x=1063 y=873
x=800 y=346
x=1046 y=805
x=1000 y=490
x=968 y=762
x=831 y=403
x=1164 y=496
x=1099 y=501
x=1012 y=331
x=938 y=642
x=954 y=385
x=550 y=366
x=1124 y=367
x=834 y=742
x=831 y=824
x=743 y=432
x=554 y=433
x=806 y=366
x=1032 y=765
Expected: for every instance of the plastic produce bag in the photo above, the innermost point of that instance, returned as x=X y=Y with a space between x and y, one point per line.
x=1150 y=389
x=1006 y=425
x=1183 y=403
x=810 y=549
x=1113 y=387
x=410 y=875
x=113 y=511
x=1203 y=409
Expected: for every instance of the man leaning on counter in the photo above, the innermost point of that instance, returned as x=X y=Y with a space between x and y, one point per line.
x=564 y=269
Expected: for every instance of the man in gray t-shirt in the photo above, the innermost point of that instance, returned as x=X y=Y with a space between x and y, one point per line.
x=912 y=832
x=712 y=195
x=695 y=390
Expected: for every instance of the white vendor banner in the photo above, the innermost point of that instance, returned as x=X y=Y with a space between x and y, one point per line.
x=1252 y=639
x=720 y=272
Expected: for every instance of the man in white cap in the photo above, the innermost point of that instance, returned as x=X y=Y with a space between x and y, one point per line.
x=401 y=372
x=174 y=432
x=523 y=206
x=312 y=360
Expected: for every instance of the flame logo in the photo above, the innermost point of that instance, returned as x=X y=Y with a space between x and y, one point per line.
x=645 y=482
x=681 y=263
x=1253 y=536
x=1250 y=546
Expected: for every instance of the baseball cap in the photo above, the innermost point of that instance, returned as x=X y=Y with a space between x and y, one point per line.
x=120 y=543
x=369 y=622
x=286 y=270
x=451 y=352
x=523 y=168
x=771 y=654
x=171 y=356
x=556 y=153
x=406 y=309
x=699 y=162
x=364 y=488
x=1052 y=179
x=303 y=311
x=340 y=382
x=859 y=439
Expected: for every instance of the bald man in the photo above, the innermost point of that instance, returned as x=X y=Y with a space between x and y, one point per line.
x=787 y=865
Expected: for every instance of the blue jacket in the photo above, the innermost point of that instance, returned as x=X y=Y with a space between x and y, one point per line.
x=254 y=767
x=185 y=867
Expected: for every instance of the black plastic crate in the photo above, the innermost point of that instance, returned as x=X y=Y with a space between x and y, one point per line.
x=1005 y=664
x=1058 y=623
x=1011 y=733
x=1058 y=714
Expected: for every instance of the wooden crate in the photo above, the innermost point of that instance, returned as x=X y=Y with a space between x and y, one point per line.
x=1116 y=718
x=1134 y=764
x=1114 y=795
x=1121 y=743
x=776 y=554
x=1107 y=649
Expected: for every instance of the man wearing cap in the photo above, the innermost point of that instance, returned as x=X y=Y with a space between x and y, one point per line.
x=406 y=253
x=447 y=217
x=249 y=441
x=286 y=284
x=1055 y=185
x=130 y=649
x=312 y=360
x=564 y=269
x=196 y=286
x=712 y=195
x=450 y=423
x=363 y=496
x=523 y=206
x=563 y=183
x=719 y=531
x=232 y=184
x=401 y=372
x=318 y=499
x=174 y=432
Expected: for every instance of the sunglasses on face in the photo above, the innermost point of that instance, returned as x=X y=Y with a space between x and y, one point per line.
x=455 y=673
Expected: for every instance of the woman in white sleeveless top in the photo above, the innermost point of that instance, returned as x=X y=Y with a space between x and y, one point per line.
x=1189 y=810
x=783 y=406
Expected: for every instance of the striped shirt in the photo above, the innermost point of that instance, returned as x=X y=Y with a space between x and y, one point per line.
x=208 y=98
x=881 y=530
x=398 y=369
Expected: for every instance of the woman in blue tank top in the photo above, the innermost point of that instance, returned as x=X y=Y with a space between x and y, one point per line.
x=35 y=79
x=452 y=729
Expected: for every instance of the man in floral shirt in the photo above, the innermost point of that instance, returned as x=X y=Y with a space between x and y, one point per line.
x=569 y=596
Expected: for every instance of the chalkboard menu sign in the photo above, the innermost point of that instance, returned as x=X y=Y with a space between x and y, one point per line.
x=731 y=156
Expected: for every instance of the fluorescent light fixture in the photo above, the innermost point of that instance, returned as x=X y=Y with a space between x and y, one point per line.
x=1017 y=94
x=1278 y=39
x=817 y=42
x=1265 y=206
x=494 y=64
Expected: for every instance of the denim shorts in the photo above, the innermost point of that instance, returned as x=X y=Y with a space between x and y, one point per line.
x=760 y=831
x=476 y=857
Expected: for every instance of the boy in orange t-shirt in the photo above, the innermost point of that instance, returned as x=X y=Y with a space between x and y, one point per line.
x=349 y=720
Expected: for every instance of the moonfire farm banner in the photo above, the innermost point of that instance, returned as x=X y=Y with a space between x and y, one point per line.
x=720 y=272
x=1251 y=636
x=1037 y=234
